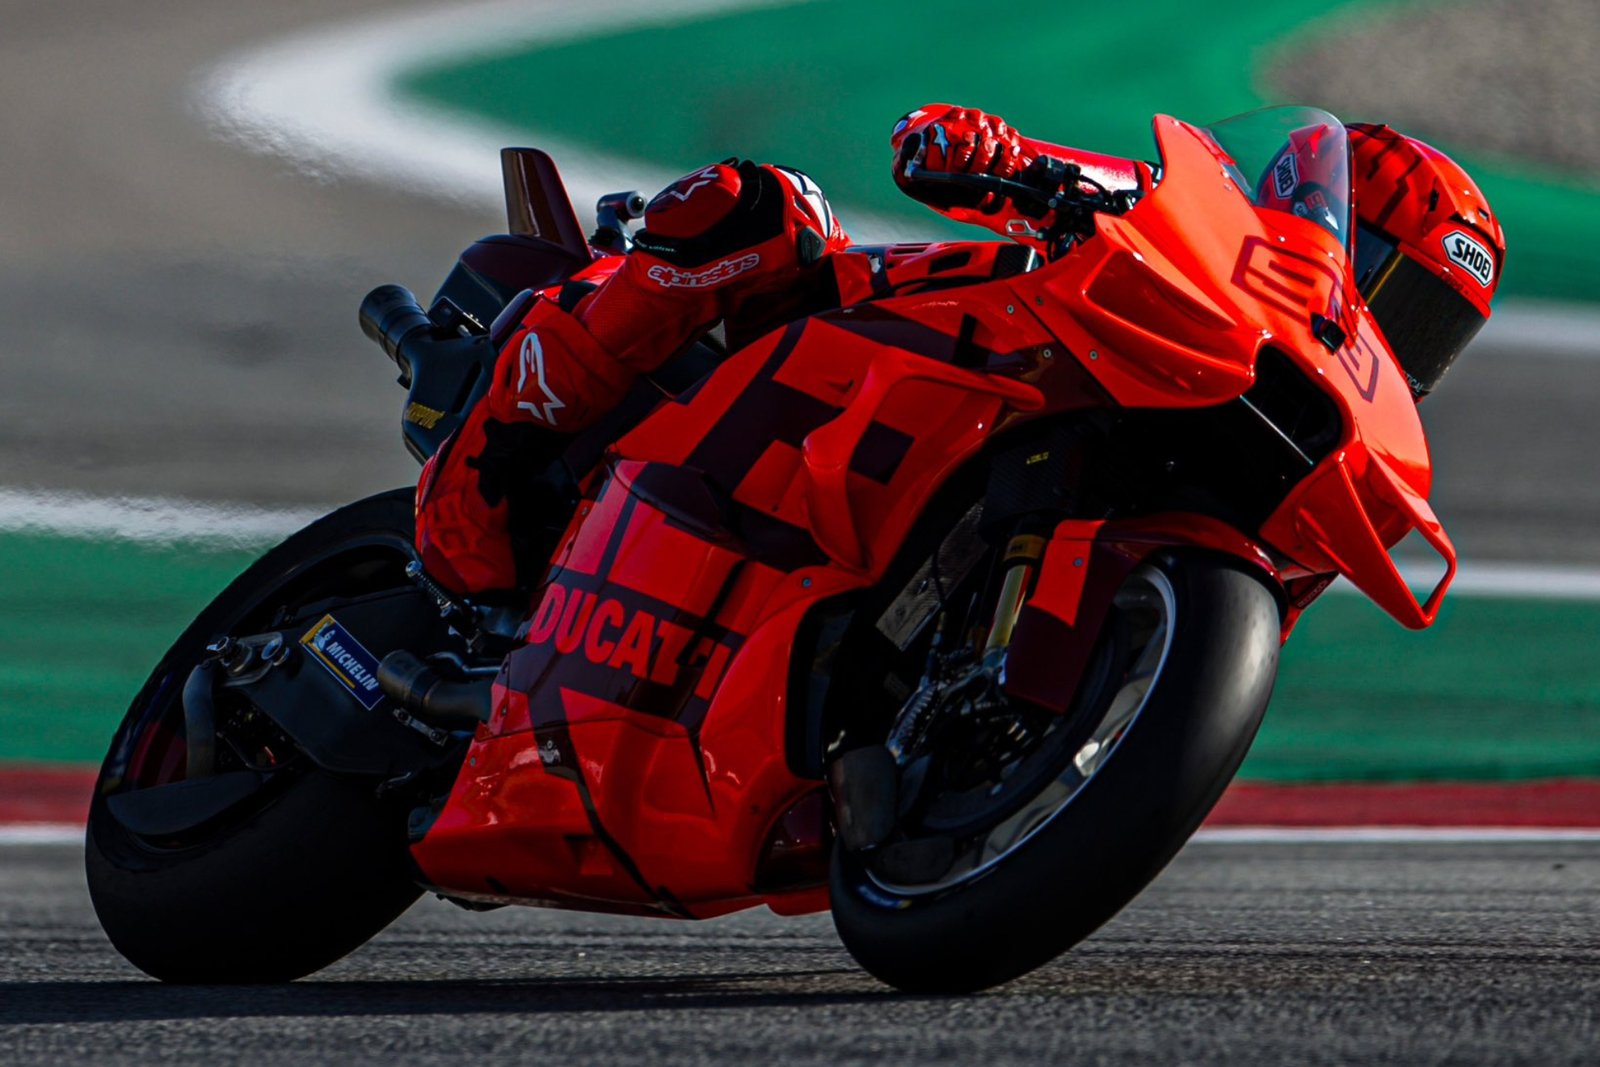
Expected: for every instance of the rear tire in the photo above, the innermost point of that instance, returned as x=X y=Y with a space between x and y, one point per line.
x=1106 y=842
x=304 y=871
x=303 y=882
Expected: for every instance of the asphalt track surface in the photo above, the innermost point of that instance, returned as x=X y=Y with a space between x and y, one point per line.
x=1237 y=954
x=177 y=318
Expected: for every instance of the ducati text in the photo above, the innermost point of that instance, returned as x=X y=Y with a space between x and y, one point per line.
x=611 y=634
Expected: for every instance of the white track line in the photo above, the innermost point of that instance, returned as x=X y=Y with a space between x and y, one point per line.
x=1421 y=835
x=147 y=520
x=42 y=834
x=66 y=834
x=167 y=521
x=325 y=99
x=1543 y=328
x=1537 y=581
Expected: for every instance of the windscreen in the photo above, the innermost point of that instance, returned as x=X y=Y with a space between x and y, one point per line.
x=1294 y=159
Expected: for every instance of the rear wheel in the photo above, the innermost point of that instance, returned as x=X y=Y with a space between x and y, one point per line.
x=296 y=867
x=1024 y=831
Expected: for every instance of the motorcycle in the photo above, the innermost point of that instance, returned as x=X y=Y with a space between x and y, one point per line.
x=947 y=598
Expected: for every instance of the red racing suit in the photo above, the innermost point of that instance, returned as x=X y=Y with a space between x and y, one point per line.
x=712 y=240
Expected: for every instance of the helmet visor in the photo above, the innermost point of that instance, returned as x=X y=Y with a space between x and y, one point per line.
x=1425 y=321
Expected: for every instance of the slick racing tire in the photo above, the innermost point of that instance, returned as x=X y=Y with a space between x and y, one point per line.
x=1187 y=686
x=305 y=866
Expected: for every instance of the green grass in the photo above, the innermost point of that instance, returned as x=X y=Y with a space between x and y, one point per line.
x=1497 y=689
x=81 y=625
x=818 y=86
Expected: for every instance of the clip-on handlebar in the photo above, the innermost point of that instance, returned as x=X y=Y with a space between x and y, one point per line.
x=612 y=213
x=1047 y=187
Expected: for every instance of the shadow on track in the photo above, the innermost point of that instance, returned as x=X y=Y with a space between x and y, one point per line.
x=25 y=1003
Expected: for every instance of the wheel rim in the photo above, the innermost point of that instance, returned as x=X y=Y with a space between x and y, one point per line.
x=1145 y=608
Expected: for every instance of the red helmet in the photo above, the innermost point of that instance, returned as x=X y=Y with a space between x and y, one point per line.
x=1428 y=251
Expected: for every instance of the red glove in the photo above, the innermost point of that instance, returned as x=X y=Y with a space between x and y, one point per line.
x=942 y=137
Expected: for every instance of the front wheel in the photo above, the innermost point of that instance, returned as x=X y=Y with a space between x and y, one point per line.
x=999 y=871
x=298 y=867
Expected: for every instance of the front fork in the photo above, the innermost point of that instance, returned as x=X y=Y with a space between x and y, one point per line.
x=874 y=784
x=968 y=682
x=1019 y=564
x=1056 y=592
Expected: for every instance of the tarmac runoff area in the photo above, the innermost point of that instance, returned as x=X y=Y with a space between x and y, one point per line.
x=1312 y=953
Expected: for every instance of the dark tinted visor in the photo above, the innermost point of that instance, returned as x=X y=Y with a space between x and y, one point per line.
x=1426 y=322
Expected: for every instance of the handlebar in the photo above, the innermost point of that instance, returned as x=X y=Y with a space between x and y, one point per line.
x=612 y=213
x=1044 y=199
x=1047 y=186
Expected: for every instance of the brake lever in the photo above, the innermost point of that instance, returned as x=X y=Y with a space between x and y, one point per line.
x=988 y=183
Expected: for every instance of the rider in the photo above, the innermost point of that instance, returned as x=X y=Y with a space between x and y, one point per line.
x=1428 y=250
x=1428 y=256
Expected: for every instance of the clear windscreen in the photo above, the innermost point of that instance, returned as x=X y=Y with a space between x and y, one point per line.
x=1294 y=159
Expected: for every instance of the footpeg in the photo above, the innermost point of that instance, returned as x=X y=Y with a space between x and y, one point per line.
x=418 y=689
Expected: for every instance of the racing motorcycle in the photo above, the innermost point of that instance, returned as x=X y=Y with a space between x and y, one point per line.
x=949 y=599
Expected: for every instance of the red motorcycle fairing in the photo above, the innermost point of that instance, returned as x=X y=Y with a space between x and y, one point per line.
x=1331 y=524
x=643 y=769
x=604 y=724
x=828 y=436
x=1169 y=306
x=645 y=720
x=865 y=273
x=1084 y=565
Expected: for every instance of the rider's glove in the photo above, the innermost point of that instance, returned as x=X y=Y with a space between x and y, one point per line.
x=944 y=138
x=738 y=228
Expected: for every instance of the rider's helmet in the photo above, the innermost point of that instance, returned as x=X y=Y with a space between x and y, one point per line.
x=1428 y=252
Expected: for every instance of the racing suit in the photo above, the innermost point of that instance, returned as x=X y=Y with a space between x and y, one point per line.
x=712 y=241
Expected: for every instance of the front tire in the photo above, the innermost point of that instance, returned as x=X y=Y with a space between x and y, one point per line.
x=309 y=866
x=1073 y=866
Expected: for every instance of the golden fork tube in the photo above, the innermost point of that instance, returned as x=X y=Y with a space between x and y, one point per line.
x=1021 y=558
